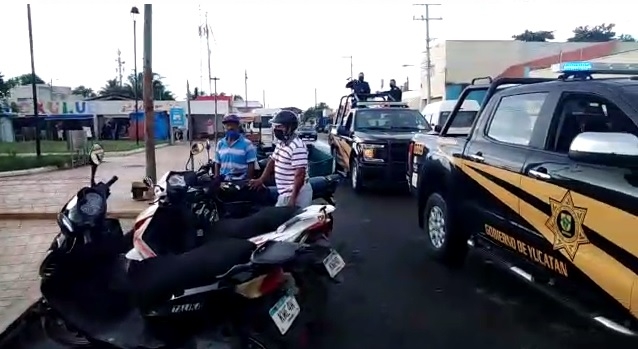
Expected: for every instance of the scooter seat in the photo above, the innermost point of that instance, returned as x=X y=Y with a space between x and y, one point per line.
x=266 y=220
x=157 y=279
x=275 y=252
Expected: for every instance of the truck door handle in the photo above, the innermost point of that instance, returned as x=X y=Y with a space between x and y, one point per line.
x=478 y=157
x=539 y=174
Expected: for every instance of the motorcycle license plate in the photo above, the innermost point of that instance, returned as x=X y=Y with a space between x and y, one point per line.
x=284 y=313
x=334 y=263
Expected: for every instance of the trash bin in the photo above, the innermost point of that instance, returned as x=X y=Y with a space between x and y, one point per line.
x=76 y=140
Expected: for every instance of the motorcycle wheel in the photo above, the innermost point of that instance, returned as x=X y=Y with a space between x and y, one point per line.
x=56 y=329
x=313 y=298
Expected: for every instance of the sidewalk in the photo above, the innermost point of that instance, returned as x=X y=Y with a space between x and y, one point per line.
x=41 y=196
x=23 y=244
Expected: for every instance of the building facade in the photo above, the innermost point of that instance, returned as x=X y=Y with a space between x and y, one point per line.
x=456 y=62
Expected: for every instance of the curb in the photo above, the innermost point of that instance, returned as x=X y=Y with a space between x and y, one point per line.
x=28 y=171
x=21 y=216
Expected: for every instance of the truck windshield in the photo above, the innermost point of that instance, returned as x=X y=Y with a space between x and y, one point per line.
x=390 y=119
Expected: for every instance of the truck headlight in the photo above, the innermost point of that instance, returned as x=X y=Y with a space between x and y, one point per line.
x=372 y=152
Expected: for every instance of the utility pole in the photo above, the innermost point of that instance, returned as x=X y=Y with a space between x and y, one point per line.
x=351 y=67
x=149 y=110
x=316 y=97
x=120 y=67
x=428 y=60
x=214 y=80
x=34 y=90
x=263 y=98
x=205 y=31
x=245 y=88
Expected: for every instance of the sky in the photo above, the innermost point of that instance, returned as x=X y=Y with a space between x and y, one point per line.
x=290 y=49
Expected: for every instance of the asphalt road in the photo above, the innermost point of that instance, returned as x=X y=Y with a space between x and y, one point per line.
x=394 y=296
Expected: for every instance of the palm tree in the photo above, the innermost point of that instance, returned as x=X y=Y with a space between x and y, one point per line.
x=113 y=87
x=160 y=92
x=83 y=91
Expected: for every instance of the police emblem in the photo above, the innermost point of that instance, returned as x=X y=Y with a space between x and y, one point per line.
x=566 y=222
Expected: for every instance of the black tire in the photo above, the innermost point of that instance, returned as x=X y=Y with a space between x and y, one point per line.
x=356 y=182
x=313 y=298
x=449 y=246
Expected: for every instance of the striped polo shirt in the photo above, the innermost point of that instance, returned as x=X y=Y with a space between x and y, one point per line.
x=234 y=157
x=288 y=158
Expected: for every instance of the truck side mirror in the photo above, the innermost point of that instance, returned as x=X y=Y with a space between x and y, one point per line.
x=605 y=148
x=342 y=131
x=438 y=128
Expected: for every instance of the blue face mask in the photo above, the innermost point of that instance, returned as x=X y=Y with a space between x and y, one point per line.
x=232 y=134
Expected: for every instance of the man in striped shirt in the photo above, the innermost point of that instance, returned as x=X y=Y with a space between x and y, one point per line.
x=289 y=163
x=235 y=155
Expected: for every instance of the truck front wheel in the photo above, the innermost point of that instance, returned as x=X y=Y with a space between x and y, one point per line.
x=444 y=238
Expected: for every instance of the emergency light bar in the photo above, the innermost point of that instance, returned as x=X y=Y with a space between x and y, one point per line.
x=382 y=104
x=596 y=68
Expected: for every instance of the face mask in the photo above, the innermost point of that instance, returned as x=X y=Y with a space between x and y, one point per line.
x=232 y=134
x=280 y=135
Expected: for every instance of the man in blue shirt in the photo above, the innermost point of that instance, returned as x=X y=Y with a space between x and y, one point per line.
x=235 y=155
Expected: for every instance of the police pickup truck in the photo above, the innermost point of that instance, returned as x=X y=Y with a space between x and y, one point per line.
x=545 y=184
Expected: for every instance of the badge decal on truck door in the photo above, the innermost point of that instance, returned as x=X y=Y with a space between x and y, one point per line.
x=566 y=222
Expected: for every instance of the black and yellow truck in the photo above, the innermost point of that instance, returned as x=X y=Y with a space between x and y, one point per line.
x=545 y=184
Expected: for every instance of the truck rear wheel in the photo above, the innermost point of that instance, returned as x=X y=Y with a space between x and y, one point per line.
x=444 y=238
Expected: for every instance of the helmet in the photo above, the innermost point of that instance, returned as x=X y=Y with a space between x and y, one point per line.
x=286 y=118
x=230 y=118
x=289 y=120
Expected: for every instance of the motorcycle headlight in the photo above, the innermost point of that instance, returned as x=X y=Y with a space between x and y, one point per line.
x=83 y=211
x=372 y=152
x=176 y=181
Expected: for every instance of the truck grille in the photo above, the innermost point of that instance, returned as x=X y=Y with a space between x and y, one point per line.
x=399 y=152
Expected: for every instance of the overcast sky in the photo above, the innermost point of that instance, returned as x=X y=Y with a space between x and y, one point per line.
x=289 y=48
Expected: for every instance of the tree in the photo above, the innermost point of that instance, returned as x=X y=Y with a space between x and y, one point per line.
x=315 y=112
x=534 y=36
x=600 y=33
x=113 y=87
x=5 y=87
x=84 y=91
x=25 y=79
x=160 y=91
x=626 y=38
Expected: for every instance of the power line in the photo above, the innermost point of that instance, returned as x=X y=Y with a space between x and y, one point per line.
x=427 y=19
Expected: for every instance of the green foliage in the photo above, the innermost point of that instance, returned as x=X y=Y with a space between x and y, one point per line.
x=84 y=91
x=315 y=112
x=12 y=162
x=534 y=36
x=133 y=86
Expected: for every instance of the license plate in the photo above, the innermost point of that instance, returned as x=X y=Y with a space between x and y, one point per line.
x=284 y=313
x=415 y=179
x=334 y=263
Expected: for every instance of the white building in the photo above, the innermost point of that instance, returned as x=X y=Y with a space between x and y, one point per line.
x=45 y=92
x=456 y=62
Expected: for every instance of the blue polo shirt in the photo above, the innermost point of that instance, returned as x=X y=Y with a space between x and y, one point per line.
x=234 y=157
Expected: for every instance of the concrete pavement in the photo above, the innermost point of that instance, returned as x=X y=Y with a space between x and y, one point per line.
x=40 y=196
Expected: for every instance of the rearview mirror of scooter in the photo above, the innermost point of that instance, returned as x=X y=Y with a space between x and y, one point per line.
x=197 y=148
x=96 y=156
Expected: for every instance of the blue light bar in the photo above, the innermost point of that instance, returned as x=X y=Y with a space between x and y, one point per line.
x=596 y=68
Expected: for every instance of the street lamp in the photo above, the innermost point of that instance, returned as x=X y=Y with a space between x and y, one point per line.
x=134 y=13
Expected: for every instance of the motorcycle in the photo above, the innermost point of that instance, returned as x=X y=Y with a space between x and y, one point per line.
x=235 y=199
x=230 y=293
x=312 y=226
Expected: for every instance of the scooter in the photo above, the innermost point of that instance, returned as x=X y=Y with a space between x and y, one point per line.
x=231 y=293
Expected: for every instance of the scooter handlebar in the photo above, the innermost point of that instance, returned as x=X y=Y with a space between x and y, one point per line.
x=111 y=181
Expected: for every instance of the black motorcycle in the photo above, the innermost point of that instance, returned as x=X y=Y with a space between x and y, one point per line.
x=235 y=199
x=230 y=293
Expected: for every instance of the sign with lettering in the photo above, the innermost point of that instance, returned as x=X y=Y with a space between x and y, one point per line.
x=178 y=118
x=54 y=108
x=532 y=253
